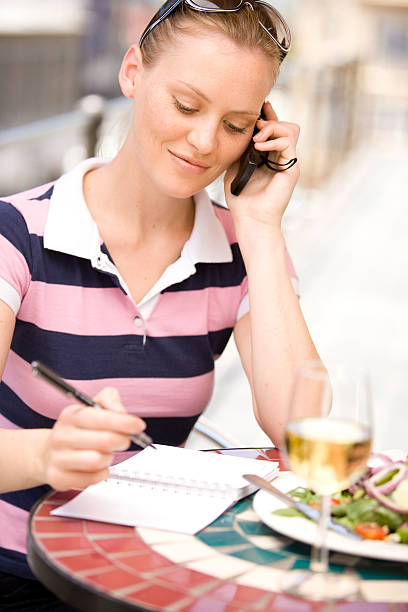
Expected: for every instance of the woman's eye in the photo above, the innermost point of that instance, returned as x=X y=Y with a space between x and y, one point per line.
x=182 y=108
x=235 y=128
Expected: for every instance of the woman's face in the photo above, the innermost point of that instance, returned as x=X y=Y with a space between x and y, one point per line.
x=195 y=111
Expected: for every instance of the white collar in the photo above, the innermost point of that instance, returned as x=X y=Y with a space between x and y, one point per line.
x=71 y=229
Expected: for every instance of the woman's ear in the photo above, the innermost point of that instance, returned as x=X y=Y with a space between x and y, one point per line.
x=132 y=66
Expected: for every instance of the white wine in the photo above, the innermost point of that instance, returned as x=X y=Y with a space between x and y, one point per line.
x=330 y=454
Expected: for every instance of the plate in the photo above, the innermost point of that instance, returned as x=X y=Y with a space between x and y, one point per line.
x=305 y=530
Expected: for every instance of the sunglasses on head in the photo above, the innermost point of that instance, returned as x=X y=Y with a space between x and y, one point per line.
x=277 y=28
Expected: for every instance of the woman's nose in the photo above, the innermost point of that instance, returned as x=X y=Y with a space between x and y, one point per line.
x=203 y=137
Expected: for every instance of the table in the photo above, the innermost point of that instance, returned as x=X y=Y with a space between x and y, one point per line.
x=231 y=566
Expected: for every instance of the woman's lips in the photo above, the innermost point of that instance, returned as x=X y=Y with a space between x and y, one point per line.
x=187 y=164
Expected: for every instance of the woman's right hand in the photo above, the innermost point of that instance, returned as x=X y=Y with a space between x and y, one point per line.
x=79 y=449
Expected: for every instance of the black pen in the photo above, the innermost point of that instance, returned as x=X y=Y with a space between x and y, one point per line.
x=39 y=369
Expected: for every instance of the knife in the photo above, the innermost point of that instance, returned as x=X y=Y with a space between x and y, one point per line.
x=305 y=509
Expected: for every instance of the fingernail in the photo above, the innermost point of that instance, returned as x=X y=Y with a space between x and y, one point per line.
x=141 y=423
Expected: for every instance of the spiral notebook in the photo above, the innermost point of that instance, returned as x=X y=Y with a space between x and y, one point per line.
x=174 y=489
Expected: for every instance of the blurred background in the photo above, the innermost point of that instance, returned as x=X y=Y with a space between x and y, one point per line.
x=345 y=82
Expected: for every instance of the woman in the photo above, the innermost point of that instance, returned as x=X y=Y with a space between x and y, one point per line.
x=125 y=277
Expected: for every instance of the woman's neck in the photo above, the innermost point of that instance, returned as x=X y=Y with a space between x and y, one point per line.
x=119 y=196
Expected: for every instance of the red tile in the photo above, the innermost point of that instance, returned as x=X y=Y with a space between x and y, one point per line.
x=146 y=562
x=80 y=563
x=157 y=596
x=67 y=543
x=118 y=545
x=114 y=579
x=63 y=496
x=186 y=578
x=44 y=509
x=229 y=591
x=58 y=525
x=95 y=527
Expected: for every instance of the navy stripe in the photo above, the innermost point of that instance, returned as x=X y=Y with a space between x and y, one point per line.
x=14 y=228
x=62 y=269
x=59 y=268
x=26 y=498
x=94 y=357
x=218 y=340
x=104 y=249
x=45 y=196
x=16 y=411
x=15 y=563
x=228 y=274
x=172 y=431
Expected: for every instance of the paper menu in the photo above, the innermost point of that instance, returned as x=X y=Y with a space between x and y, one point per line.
x=171 y=488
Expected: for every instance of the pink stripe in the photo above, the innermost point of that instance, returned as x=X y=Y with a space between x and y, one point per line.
x=225 y=217
x=28 y=194
x=143 y=397
x=35 y=213
x=94 y=311
x=13 y=266
x=208 y=309
x=13 y=527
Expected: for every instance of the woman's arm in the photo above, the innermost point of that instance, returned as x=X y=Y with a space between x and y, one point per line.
x=76 y=452
x=272 y=339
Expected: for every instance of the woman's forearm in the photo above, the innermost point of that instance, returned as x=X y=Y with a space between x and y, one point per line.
x=280 y=340
x=21 y=454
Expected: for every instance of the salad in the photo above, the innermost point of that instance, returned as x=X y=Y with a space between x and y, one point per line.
x=375 y=507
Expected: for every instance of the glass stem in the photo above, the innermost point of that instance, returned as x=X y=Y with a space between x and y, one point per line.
x=320 y=557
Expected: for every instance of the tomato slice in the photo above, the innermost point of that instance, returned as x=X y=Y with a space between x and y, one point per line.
x=371 y=531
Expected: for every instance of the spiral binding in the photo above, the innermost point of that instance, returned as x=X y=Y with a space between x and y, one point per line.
x=176 y=484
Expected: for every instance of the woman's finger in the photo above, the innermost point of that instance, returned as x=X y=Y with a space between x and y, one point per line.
x=96 y=419
x=100 y=440
x=276 y=129
x=82 y=460
x=63 y=480
x=269 y=111
x=109 y=398
x=278 y=144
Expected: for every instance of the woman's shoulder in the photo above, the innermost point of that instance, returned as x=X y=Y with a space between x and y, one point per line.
x=29 y=207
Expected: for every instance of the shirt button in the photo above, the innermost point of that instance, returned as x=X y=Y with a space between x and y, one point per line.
x=138 y=322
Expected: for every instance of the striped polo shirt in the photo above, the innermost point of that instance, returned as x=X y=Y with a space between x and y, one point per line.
x=75 y=314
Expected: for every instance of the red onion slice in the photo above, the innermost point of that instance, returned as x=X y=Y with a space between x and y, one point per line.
x=372 y=491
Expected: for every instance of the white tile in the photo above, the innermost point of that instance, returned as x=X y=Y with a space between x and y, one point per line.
x=263 y=578
x=385 y=590
x=156 y=536
x=221 y=566
x=269 y=542
x=180 y=552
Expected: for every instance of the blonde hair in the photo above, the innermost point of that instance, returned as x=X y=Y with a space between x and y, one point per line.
x=241 y=27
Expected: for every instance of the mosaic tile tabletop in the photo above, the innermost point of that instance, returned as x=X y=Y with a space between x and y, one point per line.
x=233 y=565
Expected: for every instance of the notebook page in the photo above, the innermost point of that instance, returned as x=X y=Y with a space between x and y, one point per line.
x=185 y=508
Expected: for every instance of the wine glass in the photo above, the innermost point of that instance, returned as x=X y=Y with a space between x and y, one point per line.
x=329 y=451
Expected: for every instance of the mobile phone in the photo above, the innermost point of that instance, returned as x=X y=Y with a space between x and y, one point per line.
x=248 y=163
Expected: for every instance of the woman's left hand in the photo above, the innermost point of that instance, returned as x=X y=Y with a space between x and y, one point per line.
x=267 y=194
